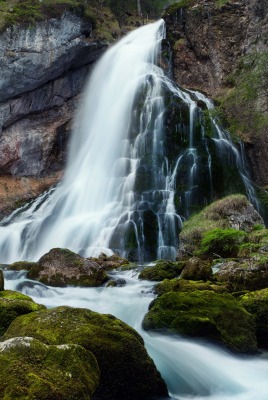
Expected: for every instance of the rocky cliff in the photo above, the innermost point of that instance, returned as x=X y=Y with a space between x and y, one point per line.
x=220 y=47
x=43 y=69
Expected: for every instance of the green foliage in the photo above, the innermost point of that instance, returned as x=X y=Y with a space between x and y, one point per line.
x=223 y=242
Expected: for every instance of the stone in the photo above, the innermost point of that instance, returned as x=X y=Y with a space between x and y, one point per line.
x=204 y=314
x=197 y=270
x=32 y=369
x=62 y=267
x=14 y=304
x=162 y=270
x=244 y=275
x=126 y=370
x=256 y=303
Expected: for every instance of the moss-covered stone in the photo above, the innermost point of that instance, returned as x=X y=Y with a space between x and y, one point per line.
x=257 y=304
x=2 y=284
x=206 y=314
x=162 y=270
x=244 y=275
x=33 y=370
x=197 y=270
x=127 y=372
x=21 y=265
x=231 y=212
x=14 y=304
x=62 y=267
x=182 y=285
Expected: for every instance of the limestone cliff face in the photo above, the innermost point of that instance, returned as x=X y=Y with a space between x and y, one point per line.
x=208 y=41
x=43 y=69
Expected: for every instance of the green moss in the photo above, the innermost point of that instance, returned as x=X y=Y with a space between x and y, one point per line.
x=162 y=270
x=206 y=314
x=119 y=349
x=14 y=304
x=182 y=285
x=33 y=370
x=197 y=269
x=223 y=242
x=257 y=304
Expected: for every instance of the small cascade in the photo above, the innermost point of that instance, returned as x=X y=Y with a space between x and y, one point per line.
x=144 y=155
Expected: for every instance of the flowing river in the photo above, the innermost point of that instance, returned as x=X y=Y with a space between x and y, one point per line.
x=192 y=370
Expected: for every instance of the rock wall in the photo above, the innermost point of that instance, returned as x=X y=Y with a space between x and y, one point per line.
x=43 y=69
x=208 y=42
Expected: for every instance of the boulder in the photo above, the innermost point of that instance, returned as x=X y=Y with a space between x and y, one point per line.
x=182 y=285
x=257 y=304
x=162 y=270
x=14 y=304
x=126 y=370
x=197 y=270
x=62 y=267
x=33 y=370
x=110 y=262
x=244 y=275
x=204 y=314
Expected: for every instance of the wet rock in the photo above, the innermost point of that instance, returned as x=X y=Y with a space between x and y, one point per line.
x=197 y=270
x=62 y=267
x=162 y=270
x=31 y=369
x=119 y=350
x=14 y=304
x=109 y=262
x=244 y=275
x=256 y=303
x=204 y=314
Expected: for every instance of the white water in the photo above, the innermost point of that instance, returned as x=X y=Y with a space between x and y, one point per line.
x=191 y=370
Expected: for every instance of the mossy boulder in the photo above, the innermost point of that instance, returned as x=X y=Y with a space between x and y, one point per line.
x=197 y=270
x=162 y=270
x=14 y=304
x=204 y=314
x=62 y=267
x=231 y=212
x=183 y=285
x=127 y=372
x=257 y=304
x=21 y=265
x=221 y=242
x=244 y=275
x=33 y=370
x=2 y=282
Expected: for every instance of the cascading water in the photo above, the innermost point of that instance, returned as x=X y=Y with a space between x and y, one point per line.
x=192 y=370
x=141 y=160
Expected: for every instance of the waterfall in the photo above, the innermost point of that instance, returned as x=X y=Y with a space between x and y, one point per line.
x=141 y=160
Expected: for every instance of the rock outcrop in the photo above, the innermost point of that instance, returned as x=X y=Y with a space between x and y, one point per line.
x=210 y=41
x=43 y=69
